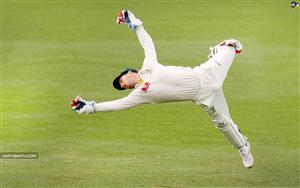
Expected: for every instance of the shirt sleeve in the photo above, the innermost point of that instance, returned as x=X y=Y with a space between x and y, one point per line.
x=135 y=98
x=148 y=46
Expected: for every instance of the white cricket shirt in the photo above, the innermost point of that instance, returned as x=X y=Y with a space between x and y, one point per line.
x=160 y=83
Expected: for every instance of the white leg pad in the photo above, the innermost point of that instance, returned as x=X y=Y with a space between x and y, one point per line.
x=231 y=131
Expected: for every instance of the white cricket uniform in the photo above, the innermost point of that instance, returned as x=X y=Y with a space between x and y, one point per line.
x=201 y=84
x=174 y=83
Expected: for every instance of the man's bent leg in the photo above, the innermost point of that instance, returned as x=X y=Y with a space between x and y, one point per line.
x=220 y=61
x=222 y=120
x=223 y=59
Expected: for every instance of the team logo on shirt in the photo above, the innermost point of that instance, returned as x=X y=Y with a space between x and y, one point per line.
x=145 y=87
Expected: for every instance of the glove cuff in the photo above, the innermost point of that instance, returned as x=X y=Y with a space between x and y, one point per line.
x=88 y=108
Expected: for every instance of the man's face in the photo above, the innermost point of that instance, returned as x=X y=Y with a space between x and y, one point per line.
x=128 y=80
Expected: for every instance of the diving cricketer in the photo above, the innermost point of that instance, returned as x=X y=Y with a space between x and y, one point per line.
x=156 y=83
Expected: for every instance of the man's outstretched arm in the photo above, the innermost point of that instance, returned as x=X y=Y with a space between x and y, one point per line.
x=148 y=46
x=126 y=17
x=82 y=106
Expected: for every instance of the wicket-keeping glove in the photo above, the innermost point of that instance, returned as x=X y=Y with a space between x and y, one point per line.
x=126 y=17
x=81 y=106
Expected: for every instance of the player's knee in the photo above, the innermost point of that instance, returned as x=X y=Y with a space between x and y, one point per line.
x=218 y=119
x=211 y=111
x=221 y=121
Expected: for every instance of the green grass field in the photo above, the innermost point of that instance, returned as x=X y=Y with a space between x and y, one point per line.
x=53 y=51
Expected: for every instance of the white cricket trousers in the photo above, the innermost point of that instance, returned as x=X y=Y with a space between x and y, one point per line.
x=212 y=75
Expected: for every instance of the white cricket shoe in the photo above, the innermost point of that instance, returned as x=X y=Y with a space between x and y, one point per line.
x=248 y=160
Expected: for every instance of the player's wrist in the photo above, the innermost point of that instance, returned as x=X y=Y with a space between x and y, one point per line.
x=88 y=109
x=80 y=106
